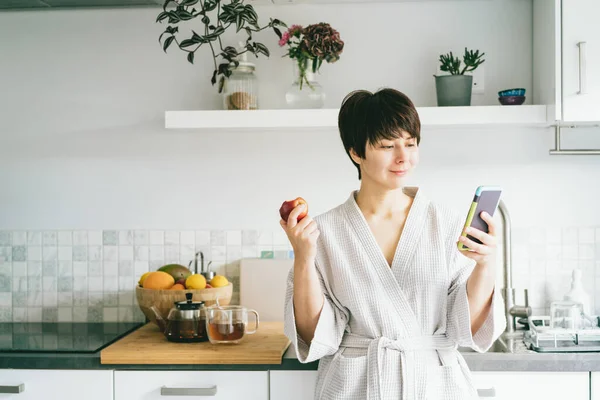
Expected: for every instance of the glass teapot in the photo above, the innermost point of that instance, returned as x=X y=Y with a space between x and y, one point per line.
x=186 y=321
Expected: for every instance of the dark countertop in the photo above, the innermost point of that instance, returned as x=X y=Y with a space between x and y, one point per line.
x=520 y=359
x=529 y=361
x=48 y=360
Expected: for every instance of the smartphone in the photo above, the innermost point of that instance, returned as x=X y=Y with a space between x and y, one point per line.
x=486 y=199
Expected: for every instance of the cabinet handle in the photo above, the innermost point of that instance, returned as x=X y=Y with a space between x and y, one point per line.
x=12 y=389
x=582 y=67
x=491 y=392
x=207 y=391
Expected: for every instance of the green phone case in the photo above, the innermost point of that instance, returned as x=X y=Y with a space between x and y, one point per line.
x=486 y=199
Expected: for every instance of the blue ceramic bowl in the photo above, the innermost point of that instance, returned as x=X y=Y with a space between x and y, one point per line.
x=511 y=100
x=512 y=92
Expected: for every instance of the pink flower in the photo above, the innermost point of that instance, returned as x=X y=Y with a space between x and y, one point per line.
x=284 y=38
x=295 y=29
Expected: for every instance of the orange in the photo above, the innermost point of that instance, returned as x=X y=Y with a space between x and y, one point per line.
x=158 y=280
x=195 y=281
x=177 y=286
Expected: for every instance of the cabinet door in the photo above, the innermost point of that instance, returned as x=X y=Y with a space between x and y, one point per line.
x=56 y=384
x=539 y=385
x=292 y=385
x=580 y=77
x=595 y=386
x=218 y=385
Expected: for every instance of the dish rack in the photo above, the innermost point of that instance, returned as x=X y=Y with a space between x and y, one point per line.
x=543 y=339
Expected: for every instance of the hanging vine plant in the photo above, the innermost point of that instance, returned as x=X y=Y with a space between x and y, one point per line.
x=217 y=17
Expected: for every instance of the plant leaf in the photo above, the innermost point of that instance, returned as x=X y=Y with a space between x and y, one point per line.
x=277 y=32
x=214 y=35
x=210 y=5
x=184 y=15
x=168 y=42
x=163 y=15
x=197 y=38
x=230 y=51
x=239 y=21
x=261 y=48
x=187 y=43
x=223 y=68
x=190 y=57
x=173 y=17
x=213 y=80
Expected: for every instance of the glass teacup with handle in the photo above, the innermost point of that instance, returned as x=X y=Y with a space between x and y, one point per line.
x=228 y=324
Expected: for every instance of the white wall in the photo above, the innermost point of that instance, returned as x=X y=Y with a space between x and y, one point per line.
x=82 y=143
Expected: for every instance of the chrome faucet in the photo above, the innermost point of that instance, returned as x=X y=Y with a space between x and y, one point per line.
x=512 y=310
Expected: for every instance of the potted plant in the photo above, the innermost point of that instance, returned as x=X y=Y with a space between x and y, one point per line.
x=216 y=16
x=455 y=89
x=308 y=47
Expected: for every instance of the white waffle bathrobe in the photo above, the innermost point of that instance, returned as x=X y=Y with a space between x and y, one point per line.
x=392 y=333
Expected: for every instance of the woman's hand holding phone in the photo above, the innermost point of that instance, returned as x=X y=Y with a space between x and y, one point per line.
x=484 y=253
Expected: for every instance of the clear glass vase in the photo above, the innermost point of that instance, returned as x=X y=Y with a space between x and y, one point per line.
x=305 y=92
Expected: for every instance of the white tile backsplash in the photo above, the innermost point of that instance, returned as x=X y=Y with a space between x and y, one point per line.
x=125 y=238
x=19 y=238
x=91 y=275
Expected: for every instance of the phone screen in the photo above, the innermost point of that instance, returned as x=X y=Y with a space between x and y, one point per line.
x=485 y=199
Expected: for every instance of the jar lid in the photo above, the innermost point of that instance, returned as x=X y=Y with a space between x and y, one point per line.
x=188 y=304
x=243 y=66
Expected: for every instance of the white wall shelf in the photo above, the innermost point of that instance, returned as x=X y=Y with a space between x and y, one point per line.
x=535 y=115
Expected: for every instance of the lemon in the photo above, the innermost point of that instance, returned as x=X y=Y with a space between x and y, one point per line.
x=219 y=281
x=195 y=281
x=143 y=277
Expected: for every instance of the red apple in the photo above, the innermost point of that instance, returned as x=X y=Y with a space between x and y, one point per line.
x=289 y=205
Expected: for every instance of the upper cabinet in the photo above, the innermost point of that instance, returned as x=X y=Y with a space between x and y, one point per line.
x=581 y=60
x=567 y=58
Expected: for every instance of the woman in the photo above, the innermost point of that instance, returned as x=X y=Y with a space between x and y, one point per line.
x=379 y=292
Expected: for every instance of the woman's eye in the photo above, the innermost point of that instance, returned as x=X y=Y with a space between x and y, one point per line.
x=387 y=147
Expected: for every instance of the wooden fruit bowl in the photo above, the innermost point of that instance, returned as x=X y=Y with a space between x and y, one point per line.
x=164 y=300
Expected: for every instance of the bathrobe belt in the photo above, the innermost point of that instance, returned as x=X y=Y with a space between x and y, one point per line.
x=377 y=346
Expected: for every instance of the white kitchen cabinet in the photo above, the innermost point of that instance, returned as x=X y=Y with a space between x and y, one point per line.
x=292 y=385
x=218 y=385
x=595 y=386
x=56 y=384
x=581 y=60
x=299 y=385
x=566 y=59
x=539 y=385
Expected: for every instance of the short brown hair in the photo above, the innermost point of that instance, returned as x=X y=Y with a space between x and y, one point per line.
x=367 y=117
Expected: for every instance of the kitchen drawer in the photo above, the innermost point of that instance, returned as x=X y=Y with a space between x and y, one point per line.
x=539 y=385
x=164 y=385
x=56 y=384
x=292 y=385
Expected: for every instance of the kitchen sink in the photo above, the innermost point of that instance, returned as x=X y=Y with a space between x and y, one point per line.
x=502 y=345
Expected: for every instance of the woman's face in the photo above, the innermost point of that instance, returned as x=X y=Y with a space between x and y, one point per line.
x=388 y=163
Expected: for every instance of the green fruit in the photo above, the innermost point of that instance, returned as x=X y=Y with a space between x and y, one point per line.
x=177 y=271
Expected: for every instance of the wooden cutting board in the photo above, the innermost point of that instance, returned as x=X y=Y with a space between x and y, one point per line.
x=148 y=345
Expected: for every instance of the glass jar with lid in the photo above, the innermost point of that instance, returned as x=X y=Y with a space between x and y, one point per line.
x=240 y=91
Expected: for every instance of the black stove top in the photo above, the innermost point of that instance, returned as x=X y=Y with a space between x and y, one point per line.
x=61 y=337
